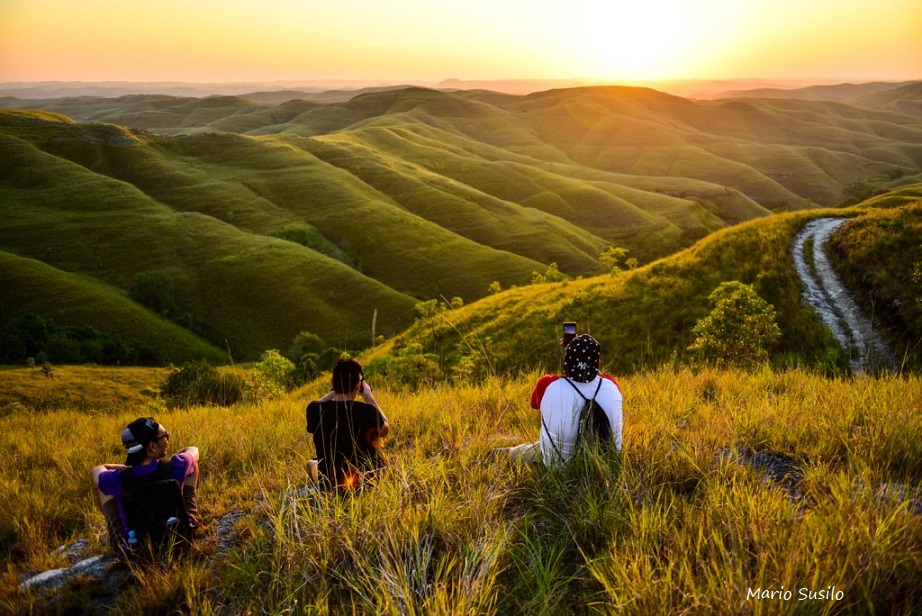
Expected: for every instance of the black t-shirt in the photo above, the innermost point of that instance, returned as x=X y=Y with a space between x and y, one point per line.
x=344 y=435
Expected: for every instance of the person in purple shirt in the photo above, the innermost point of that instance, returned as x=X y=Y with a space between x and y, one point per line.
x=146 y=442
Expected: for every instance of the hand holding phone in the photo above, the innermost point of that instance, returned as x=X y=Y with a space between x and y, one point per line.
x=569 y=332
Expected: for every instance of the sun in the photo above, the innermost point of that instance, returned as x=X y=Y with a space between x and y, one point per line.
x=637 y=40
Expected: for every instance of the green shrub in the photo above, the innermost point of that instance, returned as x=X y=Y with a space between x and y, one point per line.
x=31 y=334
x=739 y=331
x=409 y=366
x=201 y=383
x=271 y=377
x=155 y=289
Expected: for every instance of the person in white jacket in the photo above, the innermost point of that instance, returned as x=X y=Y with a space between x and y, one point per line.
x=561 y=398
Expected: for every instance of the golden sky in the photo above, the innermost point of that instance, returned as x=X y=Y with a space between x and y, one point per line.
x=431 y=40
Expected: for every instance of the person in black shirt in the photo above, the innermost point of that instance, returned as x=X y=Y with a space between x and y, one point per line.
x=347 y=432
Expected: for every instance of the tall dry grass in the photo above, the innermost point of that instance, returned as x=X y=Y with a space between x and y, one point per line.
x=688 y=519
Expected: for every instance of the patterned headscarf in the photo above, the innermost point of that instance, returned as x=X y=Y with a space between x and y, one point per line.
x=581 y=361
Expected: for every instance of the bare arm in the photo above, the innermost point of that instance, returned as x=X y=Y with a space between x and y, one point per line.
x=369 y=398
x=191 y=451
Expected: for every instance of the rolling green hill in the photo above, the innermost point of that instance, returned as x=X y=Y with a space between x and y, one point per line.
x=644 y=318
x=33 y=287
x=269 y=218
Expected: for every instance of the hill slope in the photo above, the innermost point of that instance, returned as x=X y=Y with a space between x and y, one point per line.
x=645 y=317
x=270 y=219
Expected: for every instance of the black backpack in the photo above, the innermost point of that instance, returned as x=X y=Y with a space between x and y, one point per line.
x=155 y=511
x=594 y=427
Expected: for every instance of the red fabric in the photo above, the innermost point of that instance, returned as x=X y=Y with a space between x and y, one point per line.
x=541 y=386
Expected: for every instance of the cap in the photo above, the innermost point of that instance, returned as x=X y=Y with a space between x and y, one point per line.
x=581 y=360
x=139 y=434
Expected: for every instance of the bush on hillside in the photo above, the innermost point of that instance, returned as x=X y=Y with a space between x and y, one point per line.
x=740 y=330
x=551 y=274
x=428 y=309
x=614 y=259
x=272 y=377
x=311 y=357
x=409 y=366
x=471 y=364
x=155 y=289
x=310 y=237
x=201 y=383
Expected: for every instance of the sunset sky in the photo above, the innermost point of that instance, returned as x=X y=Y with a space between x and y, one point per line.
x=431 y=40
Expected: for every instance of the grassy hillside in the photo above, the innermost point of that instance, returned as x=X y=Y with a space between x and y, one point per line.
x=891 y=288
x=89 y=389
x=31 y=286
x=728 y=482
x=841 y=92
x=634 y=131
x=644 y=317
x=269 y=219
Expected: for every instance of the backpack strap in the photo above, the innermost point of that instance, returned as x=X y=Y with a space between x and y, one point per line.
x=585 y=407
x=553 y=444
x=585 y=399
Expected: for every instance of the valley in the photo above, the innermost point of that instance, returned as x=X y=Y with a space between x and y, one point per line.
x=265 y=219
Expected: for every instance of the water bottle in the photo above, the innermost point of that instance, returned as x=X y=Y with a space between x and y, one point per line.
x=133 y=543
x=172 y=521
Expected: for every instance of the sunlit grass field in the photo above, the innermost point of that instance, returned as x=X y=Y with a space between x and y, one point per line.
x=685 y=521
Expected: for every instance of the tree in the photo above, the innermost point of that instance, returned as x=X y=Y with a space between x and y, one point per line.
x=427 y=309
x=271 y=377
x=740 y=330
x=551 y=274
x=155 y=290
x=200 y=383
x=612 y=258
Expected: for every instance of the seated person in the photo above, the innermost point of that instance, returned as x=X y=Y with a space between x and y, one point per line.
x=560 y=399
x=347 y=432
x=146 y=442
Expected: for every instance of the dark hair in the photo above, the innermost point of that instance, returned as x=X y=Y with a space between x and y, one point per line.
x=134 y=459
x=346 y=375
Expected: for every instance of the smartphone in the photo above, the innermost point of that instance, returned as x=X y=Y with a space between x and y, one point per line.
x=569 y=332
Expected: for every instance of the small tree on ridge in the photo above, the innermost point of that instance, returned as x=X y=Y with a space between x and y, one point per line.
x=740 y=330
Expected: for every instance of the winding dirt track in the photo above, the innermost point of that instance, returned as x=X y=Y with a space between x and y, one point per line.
x=825 y=293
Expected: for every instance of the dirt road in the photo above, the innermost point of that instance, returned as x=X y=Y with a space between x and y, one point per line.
x=825 y=293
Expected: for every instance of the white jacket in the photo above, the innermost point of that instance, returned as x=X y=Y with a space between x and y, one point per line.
x=560 y=407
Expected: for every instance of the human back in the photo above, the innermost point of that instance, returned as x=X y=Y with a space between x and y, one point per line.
x=347 y=432
x=344 y=435
x=561 y=406
x=154 y=507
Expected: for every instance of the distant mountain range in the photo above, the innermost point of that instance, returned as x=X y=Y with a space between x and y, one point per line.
x=270 y=213
x=332 y=90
